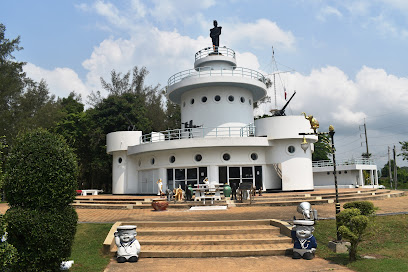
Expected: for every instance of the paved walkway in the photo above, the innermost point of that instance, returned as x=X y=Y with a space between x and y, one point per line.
x=275 y=263
x=247 y=264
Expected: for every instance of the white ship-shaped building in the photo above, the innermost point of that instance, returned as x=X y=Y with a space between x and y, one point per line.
x=219 y=137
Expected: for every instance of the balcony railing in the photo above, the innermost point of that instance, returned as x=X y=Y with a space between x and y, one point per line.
x=216 y=71
x=201 y=132
x=343 y=162
x=222 y=51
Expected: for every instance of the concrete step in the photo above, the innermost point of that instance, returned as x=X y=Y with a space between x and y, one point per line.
x=210 y=240
x=266 y=200
x=205 y=251
x=185 y=239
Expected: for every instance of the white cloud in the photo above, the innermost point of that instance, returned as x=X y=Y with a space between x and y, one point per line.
x=259 y=35
x=61 y=81
x=328 y=11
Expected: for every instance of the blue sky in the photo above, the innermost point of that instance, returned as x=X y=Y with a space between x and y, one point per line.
x=348 y=57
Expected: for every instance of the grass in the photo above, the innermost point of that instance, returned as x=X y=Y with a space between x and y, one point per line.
x=386 y=240
x=87 y=248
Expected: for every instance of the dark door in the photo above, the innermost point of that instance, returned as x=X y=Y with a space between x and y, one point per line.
x=258 y=177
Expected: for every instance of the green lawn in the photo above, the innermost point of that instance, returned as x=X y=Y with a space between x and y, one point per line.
x=387 y=240
x=87 y=248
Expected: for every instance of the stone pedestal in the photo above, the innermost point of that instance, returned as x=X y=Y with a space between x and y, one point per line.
x=339 y=247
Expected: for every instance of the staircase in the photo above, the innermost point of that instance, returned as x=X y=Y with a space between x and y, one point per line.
x=268 y=199
x=234 y=238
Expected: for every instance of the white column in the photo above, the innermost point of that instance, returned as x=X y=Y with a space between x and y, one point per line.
x=376 y=177
x=372 y=177
x=163 y=176
x=361 y=177
x=213 y=174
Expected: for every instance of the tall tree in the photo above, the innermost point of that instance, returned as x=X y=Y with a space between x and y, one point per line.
x=12 y=80
x=404 y=149
x=322 y=149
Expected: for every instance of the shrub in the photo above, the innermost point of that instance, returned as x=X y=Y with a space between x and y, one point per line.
x=352 y=223
x=42 y=238
x=8 y=253
x=366 y=207
x=41 y=171
x=40 y=182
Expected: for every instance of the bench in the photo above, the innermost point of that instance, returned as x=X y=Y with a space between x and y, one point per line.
x=210 y=197
x=90 y=191
x=206 y=191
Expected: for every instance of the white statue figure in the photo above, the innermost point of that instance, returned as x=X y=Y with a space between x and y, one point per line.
x=128 y=246
x=304 y=242
x=160 y=187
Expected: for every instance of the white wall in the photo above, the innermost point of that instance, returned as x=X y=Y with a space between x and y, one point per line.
x=217 y=114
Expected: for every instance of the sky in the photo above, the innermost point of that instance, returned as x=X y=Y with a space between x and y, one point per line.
x=347 y=59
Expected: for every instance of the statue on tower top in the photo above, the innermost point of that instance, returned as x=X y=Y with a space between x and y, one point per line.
x=215 y=35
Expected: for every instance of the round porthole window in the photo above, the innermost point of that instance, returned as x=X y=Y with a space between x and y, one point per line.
x=226 y=157
x=198 y=157
x=217 y=98
x=230 y=98
x=192 y=101
x=204 y=99
x=152 y=161
x=291 y=149
x=242 y=99
x=120 y=160
x=172 y=159
x=254 y=156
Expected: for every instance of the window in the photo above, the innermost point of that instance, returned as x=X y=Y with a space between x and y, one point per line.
x=242 y=99
x=152 y=161
x=217 y=98
x=204 y=99
x=250 y=102
x=120 y=160
x=192 y=101
x=172 y=159
x=254 y=156
x=230 y=98
x=291 y=149
x=226 y=157
x=198 y=157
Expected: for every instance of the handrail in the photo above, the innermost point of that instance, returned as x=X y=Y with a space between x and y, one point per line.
x=326 y=163
x=216 y=71
x=200 y=132
x=221 y=51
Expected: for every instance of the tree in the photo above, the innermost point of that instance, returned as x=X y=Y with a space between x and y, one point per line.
x=173 y=113
x=365 y=155
x=404 y=149
x=40 y=183
x=12 y=81
x=352 y=223
x=74 y=126
x=322 y=149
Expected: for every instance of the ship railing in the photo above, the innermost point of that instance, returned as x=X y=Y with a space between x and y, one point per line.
x=199 y=132
x=216 y=71
x=326 y=163
x=222 y=51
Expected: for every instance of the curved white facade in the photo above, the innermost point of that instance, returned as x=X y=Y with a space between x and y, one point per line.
x=219 y=138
